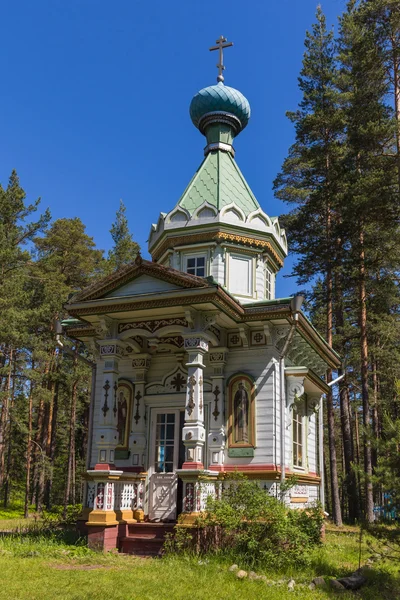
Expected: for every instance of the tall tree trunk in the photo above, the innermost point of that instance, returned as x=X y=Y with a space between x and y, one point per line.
x=336 y=509
x=7 y=484
x=350 y=482
x=52 y=447
x=71 y=445
x=369 y=501
x=28 y=451
x=330 y=411
x=4 y=418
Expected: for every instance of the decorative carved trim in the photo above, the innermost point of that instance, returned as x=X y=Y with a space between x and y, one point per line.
x=234 y=340
x=218 y=236
x=137 y=414
x=295 y=389
x=201 y=394
x=129 y=272
x=109 y=349
x=115 y=399
x=258 y=338
x=217 y=357
x=191 y=405
x=196 y=343
x=105 y=407
x=141 y=363
x=174 y=340
x=216 y=393
x=152 y=325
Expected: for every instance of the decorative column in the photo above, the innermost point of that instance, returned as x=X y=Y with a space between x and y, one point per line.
x=216 y=435
x=107 y=434
x=193 y=430
x=140 y=366
x=102 y=523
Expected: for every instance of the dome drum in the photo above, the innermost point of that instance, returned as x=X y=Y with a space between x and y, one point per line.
x=219 y=117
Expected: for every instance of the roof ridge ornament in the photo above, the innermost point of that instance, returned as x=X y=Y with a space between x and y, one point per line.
x=221 y=43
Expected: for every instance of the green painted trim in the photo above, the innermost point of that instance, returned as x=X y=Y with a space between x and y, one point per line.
x=241 y=452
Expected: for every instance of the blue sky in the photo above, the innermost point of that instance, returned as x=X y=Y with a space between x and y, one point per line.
x=95 y=100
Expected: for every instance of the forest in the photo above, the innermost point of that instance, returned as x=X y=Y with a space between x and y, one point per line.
x=341 y=186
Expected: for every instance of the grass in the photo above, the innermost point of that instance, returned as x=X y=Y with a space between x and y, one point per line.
x=12 y=517
x=34 y=566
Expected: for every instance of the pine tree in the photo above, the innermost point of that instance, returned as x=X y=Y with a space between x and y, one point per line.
x=125 y=249
x=369 y=211
x=309 y=178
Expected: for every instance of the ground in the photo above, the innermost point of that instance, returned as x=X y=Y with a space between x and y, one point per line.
x=43 y=568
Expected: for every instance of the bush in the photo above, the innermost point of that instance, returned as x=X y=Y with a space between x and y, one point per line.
x=255 y=528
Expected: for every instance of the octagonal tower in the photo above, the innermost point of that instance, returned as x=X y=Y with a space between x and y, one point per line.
x=218 y=228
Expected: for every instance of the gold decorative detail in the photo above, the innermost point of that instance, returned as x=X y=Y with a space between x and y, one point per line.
x=217 y=236
x=201 y=393
x=191 y=405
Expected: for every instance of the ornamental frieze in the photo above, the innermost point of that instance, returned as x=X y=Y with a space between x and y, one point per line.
x=153 y=325
x=175 y=382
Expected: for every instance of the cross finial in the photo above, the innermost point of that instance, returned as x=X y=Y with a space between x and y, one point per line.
x=221 y=43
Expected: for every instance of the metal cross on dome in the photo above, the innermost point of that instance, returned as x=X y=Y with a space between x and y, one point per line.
x=221 y=43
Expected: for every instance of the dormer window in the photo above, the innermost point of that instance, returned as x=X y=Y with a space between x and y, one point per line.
x=196 y=265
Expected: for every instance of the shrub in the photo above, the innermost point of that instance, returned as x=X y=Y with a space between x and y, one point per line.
x=249 y=525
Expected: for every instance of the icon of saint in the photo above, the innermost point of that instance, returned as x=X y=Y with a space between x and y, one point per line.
x=241 y=414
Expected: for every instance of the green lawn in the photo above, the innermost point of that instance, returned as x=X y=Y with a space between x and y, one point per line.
x=44 y=569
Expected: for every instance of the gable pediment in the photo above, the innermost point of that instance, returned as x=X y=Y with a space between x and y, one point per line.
x=143 y=284
x=139 y=278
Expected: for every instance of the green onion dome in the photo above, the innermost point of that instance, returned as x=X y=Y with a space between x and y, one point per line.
x=220 y=104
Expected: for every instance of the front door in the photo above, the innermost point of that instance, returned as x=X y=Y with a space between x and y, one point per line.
x=164 y=457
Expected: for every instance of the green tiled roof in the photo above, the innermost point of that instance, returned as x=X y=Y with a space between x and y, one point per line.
x=220 y=97
x=219 y=182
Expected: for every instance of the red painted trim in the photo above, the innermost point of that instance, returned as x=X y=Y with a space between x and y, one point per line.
x=193 y=465
x=104 y=467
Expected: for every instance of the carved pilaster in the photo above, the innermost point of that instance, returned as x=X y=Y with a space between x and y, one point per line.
x=110 y=351
x=140 y=366
x=194 y=431
x=217 y=436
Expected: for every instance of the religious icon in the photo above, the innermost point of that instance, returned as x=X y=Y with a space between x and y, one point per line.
x=241 y=396
x=122 y=414
x=241 y=414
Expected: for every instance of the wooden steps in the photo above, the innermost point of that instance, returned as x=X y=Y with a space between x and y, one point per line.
x=145 y=539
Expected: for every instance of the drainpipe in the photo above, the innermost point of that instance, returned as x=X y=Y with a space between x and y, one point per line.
x=295 y=306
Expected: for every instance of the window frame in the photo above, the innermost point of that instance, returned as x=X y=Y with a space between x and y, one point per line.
x=269 y=282
x=251 y=281
x=195 y=256
x=299 y=409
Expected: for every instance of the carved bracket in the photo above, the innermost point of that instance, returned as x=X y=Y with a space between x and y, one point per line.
x=295 y=389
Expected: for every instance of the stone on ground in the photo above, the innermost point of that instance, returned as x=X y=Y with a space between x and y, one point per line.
x=291 y=585
x=336 y=585
x=318 y=581
x=233 y=568
x=354 y=581
x=241 y=574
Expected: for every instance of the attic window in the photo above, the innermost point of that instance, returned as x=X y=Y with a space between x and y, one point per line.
x=196 y=265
